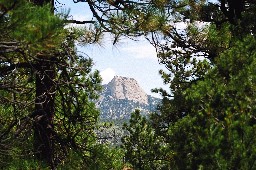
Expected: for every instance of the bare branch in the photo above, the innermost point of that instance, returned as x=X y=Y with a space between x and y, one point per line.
x=6 y=47
x=79 y=22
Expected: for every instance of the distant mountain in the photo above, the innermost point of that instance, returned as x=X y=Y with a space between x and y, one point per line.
x=121 y=96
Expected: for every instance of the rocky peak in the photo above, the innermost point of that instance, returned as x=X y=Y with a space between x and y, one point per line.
x=126 y=88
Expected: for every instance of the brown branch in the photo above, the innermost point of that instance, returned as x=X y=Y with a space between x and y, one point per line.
x=6 y=69
x=6 y=47
x=95 y=14
x=79 y=22
x=76 y=1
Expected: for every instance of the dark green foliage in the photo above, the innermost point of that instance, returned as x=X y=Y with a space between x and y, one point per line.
x=30 y=43
x=143 y=148
x=101 y=157
x=208 y=119
x=47 y=90
x=226 y=107
x=217 y=125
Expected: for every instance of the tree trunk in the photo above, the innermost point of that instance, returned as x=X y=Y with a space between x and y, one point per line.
x=44 y=111
x=44 y=104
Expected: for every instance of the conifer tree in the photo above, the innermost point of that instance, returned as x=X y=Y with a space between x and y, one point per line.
x=46 y=88
x=143 y=147
x=43 y=83
x=208 y=119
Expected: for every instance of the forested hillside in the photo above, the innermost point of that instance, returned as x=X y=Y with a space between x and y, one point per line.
x=206 y=120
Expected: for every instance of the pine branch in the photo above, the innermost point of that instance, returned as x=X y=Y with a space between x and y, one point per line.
x=6 y=47
x=5 y=69
x=79 y=22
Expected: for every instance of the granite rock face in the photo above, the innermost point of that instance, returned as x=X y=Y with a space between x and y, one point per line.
x=127 y=88
x=121 y=96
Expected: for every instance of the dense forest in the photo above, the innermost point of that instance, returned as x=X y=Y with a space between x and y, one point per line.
x=207 y=119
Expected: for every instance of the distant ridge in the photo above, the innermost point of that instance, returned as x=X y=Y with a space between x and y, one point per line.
x=121 y=96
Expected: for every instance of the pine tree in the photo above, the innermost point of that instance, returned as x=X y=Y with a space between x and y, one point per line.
x=143 y=148
x=208 y=119
x=45 y=86
x=39 y=67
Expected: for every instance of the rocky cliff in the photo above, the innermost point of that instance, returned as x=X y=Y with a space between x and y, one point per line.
x=126 y=88
x=123 y=95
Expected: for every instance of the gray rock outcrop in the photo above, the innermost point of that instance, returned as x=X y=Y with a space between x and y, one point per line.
x=121 y=96
x=127 y=88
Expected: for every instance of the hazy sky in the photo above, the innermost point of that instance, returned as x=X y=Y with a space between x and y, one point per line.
x=128 y=58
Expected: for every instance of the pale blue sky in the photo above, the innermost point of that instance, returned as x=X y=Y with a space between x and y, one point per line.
x=135 y=59
x=128 y=58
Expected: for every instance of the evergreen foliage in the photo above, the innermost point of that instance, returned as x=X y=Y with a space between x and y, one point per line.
x=143 y=148
x=33 y=39
x=206 y=121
